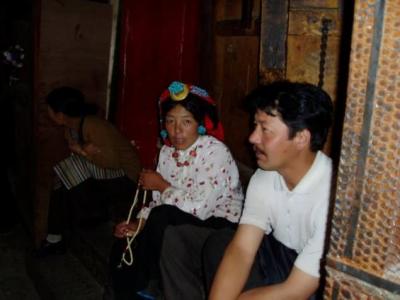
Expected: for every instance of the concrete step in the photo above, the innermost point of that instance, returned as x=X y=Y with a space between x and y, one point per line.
x=60 y=277
x=92 y=245
x=63 y=277
x=15 y=283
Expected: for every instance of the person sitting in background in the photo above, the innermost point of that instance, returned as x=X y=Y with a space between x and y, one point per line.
x=196 y=182
x=103 y=165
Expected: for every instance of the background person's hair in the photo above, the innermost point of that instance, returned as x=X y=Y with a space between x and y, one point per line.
x=299 y=105
x=70 y=101
x=195 y=105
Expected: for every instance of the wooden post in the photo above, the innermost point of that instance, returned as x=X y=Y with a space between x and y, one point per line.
x=273 y=34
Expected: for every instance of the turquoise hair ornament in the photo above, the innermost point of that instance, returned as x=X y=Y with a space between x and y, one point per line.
x=164 y=134
x=201 y=130
x=178 y=90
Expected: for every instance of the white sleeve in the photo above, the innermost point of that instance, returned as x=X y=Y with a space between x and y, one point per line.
x=145 y=211
x=309 y=259
x=255 y=210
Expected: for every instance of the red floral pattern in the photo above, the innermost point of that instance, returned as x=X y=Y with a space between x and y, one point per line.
x=205 y=184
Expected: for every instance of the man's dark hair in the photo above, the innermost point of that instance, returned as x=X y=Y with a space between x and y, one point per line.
x=299 y=105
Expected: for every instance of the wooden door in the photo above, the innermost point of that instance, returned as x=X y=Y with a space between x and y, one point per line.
x=160 y=42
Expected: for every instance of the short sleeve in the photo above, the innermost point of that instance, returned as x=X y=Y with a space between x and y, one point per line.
x=309 y=259
x=255 y=210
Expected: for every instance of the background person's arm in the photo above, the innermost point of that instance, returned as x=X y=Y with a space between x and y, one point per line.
x=72 y=144
x=238 y=259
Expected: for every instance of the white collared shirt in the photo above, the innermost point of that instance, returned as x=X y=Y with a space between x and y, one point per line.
x=208 y=186
x=297 y=218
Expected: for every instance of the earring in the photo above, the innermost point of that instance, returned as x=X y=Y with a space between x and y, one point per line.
x=201 y=130
x=164 y=134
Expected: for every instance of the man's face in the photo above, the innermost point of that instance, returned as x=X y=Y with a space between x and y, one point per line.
x=272 y=146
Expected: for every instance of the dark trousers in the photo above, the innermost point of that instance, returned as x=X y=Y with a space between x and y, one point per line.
x=272 y=265
x=128 y=280
x=90 y=201
x=181 y=261
x=8 y=207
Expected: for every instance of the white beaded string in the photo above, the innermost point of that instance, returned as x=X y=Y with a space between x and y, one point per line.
x=129 y=239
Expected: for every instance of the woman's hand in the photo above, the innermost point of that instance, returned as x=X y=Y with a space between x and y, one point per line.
x=152 y=180
x=123 y=230
x=76 y=148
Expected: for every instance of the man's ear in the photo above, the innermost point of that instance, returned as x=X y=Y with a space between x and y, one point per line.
x=303 y=139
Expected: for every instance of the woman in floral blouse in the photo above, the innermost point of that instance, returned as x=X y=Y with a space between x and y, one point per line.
x=196 y=182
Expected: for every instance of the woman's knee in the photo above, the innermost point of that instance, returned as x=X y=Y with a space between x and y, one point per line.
x=161 y=214
x=171 y=241
x=164 y=209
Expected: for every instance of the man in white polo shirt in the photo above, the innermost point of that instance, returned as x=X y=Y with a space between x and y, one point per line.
x=276 y=251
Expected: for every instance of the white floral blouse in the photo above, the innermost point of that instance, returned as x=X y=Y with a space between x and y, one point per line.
x=204 y=181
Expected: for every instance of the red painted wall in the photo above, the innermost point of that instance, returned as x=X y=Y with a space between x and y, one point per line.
x=159 y=44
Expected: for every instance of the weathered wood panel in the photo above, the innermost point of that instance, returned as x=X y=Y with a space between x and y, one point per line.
x=235 y=64
x=305 y=49
x=228 y=10
x=238 y=20
x=74 y=47
x=308 y=22
x=273 y=36
x=236 y=77
x=304 y=41
x=314 y=3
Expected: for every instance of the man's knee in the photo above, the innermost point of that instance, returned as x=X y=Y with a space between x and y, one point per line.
x=175 y=242
x=216 y=243
x=171 y=242
x=213 y=251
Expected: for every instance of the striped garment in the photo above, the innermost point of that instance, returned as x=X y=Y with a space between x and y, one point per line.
x=75 y=169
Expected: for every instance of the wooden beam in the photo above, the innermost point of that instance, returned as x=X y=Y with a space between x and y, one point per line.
x=235 y=28
x=243 y=27
x=247 y=10
x=273 y=34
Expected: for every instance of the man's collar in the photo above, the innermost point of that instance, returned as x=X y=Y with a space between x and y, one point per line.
x=310 y=179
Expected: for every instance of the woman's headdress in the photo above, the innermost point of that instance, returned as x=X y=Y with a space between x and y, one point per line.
x=178 y=91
